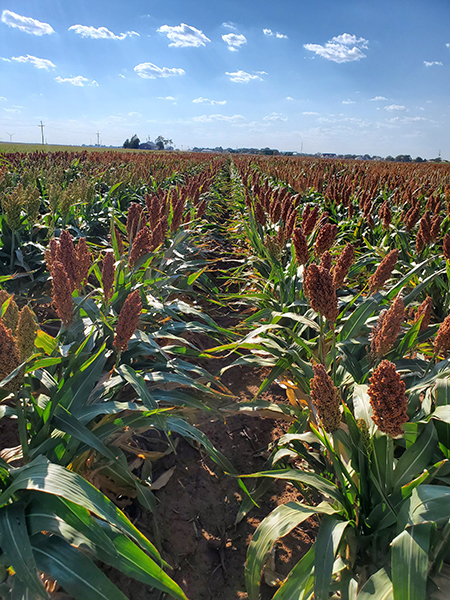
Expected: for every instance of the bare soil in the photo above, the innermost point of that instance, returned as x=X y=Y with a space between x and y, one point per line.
x=196 y=515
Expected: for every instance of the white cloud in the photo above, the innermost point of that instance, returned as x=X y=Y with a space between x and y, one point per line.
x=12 y=110
x=166 y=98
x=392 y=107
x=289 y=98
x=348 y=102
x=274 y=117
x=309 y=112
x=436 y=63
x=26 y=24
x=342 y=48
x=2 y=99
x=39 y=63
x=183 y=36
x=277 y=34
x=234 y=41
x=378 y=99
x=229 y=25
x=78 y=81
x=100 y=33
x=211 y=118
x=123 y=76
x=134 y=114
x=208 y=101
x=151 y=71
x=242 y=77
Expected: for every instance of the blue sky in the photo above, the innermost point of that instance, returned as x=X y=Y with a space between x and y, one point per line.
x=347 y=77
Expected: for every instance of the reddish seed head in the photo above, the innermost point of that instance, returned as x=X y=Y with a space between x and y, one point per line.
x=325 y=238
x=62 y=293
x=321 y=292
x=84 y=262
x=108 y=275
x=424 y=311
x=67 y=256
x=142 y=245
x=442 y=339
x=325 y=398
x=128 y=321
x=387 y=328
x=343 y=265
x=388 y=399
x=383 y=271
x=9 y=358
x=301 y=246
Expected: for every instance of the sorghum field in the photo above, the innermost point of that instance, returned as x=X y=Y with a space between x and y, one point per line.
x=223 y=377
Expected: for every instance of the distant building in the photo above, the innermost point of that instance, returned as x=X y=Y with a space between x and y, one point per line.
x=147 y=146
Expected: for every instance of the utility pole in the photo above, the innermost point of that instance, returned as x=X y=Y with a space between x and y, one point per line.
x=10 y=136
x=41 y=126
x=98 y=138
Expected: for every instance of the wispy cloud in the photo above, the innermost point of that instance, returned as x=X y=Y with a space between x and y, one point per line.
x=277 y=34
x=348 y=102
x=234 y=41
x=229 y=25
x=2 y=99
x=26 y=24
x=342 y=48
x=39 y=63
x=166 y=98
x=184 y=36
x=78 y=81
x=391 y=107
x=211 y=118
x=309 y=112
x=134 y=114
x=289 y=98
x=208 y=101
x=275 y=117
x=434 y=63
x=150 y=71
x=243 y=77
x=99 y=33
x=378 y=99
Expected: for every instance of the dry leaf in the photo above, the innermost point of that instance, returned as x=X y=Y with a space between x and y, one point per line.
x=162 y=480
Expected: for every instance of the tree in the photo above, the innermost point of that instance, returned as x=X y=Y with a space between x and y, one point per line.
x=161 y=142
x=133 y=143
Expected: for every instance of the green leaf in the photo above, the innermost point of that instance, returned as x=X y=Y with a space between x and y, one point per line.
x=15 y=543
x=327 y=543
x=429 y=503
x=44 y=476
x=377 y=587
x=442 y=392
x=138 y=384
x=46 y=342
x=357 y=320
x=416 y=458
x=299 y=579
x=68 y=520
x=278 y=524
x=133 y=562
x=409 y=562
x=382 y=461
x=194 y=276
x=74 y=571
x=311 y=479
